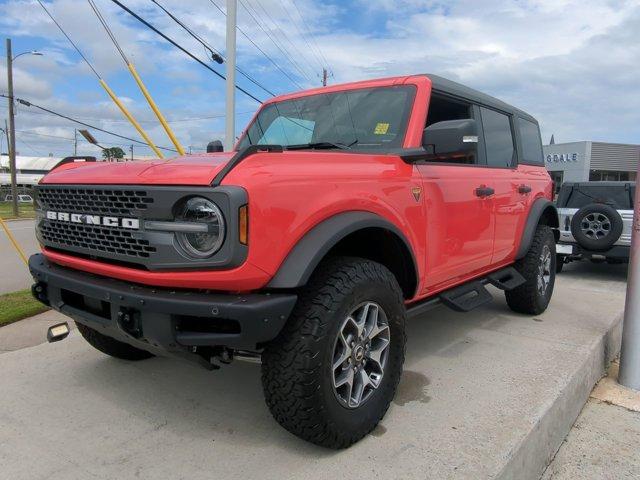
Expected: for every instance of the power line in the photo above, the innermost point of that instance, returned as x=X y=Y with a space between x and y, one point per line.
x=253 y=14
x=103 y=119
x=71 y=119
x=26 y=132
x=70 y=41
x=207 y=46
x=172 y=42
x=265 y=54
x=283 y=34
x=304 y=37
x=309 y=32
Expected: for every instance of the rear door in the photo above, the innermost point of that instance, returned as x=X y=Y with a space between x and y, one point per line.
x=510 y=198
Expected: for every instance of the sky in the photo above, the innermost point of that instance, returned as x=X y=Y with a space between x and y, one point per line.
x=573 y=64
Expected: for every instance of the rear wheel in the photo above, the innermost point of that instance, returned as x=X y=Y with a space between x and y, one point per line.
x=538 y=267
x=331 y=374
x=111 y=346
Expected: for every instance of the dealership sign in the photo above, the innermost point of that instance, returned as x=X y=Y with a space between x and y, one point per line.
x=562 y=157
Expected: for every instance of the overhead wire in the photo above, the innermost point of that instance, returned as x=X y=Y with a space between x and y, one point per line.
x=304 y=24
x=314 y=55
x=181 y=48
x=265 y=54
x=283 y=34
x=26 y=103
x=70 y=41
x=275 y=41
x=207 y=46
x=106 y=87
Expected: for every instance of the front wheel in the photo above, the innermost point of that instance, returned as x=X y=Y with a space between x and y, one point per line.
x=538 y=267
x=331 y=374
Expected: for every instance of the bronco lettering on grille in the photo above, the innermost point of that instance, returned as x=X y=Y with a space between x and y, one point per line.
x=130 y=223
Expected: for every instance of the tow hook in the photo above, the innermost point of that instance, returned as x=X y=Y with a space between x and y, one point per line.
x=129 y=321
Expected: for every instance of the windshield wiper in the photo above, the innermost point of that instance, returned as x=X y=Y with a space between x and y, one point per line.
x=320 y=145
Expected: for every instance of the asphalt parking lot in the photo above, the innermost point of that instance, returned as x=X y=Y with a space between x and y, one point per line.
x=474 y=388
x=13 y=272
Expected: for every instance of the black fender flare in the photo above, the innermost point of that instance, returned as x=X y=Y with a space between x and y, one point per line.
x=305 y=256
x=539 y=208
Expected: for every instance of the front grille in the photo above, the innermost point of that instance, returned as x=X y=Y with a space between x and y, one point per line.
x=96 y=238
x=94 y=200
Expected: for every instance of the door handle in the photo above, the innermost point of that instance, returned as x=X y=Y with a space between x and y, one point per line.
x=524 y=189
x=483 y=191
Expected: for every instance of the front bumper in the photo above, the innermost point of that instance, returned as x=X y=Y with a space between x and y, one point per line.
x=159 y=320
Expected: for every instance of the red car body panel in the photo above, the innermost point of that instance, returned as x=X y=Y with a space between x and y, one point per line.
x=454 y=234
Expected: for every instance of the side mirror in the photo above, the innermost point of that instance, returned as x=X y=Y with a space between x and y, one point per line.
x=456 y=138
x=215 y=146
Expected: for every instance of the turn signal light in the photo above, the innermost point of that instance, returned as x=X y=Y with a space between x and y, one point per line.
x=243 y=225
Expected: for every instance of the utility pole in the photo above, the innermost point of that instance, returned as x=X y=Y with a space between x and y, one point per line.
x=324 y=77
x=131 y=148
x=75 y=142
x=12 y=133
x=629 y=375
x=230 y=119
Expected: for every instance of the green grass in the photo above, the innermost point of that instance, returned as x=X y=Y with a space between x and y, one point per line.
x=18 y=305
x=25 y=209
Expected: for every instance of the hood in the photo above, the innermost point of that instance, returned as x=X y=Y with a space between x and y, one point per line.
x=197 y=170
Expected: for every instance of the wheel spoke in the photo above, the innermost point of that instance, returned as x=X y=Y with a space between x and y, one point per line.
x=345 y=378
x=375 y=354
x=361 y=382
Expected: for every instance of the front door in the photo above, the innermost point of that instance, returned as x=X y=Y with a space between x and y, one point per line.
x=460 y=222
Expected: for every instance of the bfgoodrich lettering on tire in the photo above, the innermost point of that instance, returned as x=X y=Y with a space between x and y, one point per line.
x=538 y=267
x=331 y=374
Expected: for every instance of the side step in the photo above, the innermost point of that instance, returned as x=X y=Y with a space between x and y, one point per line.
x=466 y=297
x=506 y=278
x=470 y=295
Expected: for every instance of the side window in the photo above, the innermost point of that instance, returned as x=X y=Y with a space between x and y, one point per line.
x=531 y=143
x=442 y=108
x=498 y=138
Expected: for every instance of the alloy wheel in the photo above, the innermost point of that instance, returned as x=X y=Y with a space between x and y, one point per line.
x=360 y=354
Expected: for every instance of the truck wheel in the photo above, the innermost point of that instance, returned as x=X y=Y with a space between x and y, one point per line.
x=332 y=372
x=538 y=267
x=111 y=346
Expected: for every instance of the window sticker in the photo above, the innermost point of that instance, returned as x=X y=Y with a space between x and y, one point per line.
x=381 y=129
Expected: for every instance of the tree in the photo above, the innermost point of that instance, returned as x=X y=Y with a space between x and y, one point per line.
x=112 y=152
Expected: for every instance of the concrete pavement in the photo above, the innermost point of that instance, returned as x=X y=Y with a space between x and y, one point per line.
x=603 y=443
x=487 y=395
x=29 y=332
x=14 y=275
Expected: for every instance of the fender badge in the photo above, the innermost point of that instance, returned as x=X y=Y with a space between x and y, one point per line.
x=417 y=191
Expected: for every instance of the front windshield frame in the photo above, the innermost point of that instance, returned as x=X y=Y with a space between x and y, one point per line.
x=352 y=144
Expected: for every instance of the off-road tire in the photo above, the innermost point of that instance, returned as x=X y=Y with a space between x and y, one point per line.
x=297 y=373
x=527 y=298
x=111 y=346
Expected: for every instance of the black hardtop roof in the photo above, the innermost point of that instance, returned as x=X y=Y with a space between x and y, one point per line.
x=444 y=85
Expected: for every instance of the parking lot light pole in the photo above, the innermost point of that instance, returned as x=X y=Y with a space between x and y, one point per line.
x=12 y=125
x=629 y=375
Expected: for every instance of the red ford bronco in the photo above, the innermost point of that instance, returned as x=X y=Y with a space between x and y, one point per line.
x=341 y=212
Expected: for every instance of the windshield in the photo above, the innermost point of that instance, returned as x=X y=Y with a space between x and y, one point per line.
x=368 y=118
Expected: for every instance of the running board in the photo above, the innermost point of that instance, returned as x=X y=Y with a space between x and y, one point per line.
x=506 y=278
x=468 y=296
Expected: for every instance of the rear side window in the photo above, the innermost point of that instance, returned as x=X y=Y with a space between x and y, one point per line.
x=531 y=143
x=498 y=138
x=619 y=197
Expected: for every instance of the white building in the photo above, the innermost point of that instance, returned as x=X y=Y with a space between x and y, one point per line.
x=591 y=161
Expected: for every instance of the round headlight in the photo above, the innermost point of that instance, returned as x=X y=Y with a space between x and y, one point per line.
x=202 y=244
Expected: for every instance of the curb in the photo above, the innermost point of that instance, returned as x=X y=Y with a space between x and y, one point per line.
x=536 y=451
